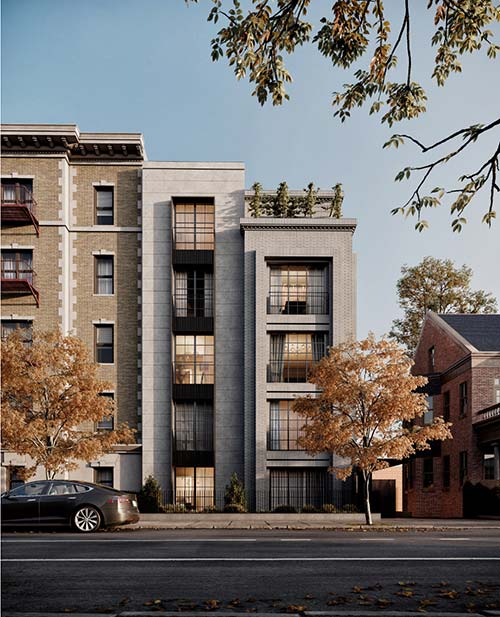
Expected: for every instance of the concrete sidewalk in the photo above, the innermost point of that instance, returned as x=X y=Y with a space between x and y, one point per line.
x=343 y=613
x=304 y=521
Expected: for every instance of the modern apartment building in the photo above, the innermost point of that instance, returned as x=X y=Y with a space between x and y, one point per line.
x=460 y=355
x=205 y=319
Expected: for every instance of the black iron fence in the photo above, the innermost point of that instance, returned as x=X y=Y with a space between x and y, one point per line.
x=329 y=500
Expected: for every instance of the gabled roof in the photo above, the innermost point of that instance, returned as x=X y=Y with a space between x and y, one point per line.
x=481 y=331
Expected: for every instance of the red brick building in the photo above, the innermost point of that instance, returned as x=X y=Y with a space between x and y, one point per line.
x=460 y=355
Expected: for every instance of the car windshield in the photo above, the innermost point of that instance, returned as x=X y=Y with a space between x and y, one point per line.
x=32 y=488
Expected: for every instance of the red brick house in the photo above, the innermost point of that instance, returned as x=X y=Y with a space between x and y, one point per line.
x=460 y=355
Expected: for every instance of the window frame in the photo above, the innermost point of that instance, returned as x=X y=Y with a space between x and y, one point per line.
x=98 y=278
x=427 y=474
x=105 y=188
x=98 y=470
x=446 y=469
x=289 y=297
x=28 y=329
x=28 y=272
x=463 y=399
x=290 y=426
x=99 y=346
x=463 y=463
x=446 y=405
x=101 y=429
x=202 y=367
x=198 y=224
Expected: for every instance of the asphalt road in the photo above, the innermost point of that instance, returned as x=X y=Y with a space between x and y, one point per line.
x=251 y=570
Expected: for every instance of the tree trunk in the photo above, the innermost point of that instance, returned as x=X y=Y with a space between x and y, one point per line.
x=366 y=495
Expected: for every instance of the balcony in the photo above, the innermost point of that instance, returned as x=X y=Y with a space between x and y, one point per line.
x=19 y=279
x=312 y=303
x=18 y=206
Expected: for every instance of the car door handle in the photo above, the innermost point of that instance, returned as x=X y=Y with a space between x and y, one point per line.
x=71 y=497
x=28 y=500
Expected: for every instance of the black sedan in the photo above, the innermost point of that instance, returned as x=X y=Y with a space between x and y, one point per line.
x=83 y=505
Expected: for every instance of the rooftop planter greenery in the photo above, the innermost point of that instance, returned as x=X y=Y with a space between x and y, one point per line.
x=283 y=205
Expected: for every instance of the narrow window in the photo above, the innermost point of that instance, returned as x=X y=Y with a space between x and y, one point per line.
x=104 y=205
x=431 y=353
x=108 y=422
x=104 y=476
x=463 y=404
x=104 y=275
x=194 y=226
x=463 y=466
x=428 y=472
x=496 y=391
x=446 y=472
x=194 y=359
x=489 y=466
x=104 y=344
x=429 y=414
x=446 y=406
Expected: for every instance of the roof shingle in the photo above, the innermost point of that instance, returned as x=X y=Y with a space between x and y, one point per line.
x=482 y=331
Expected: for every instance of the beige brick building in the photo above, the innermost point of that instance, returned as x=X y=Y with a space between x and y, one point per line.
x=70 y=240
x=206 y=320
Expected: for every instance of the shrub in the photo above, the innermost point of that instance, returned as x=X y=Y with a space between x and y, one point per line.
x=149 y=497
x=234 y=507
x=210 y=509
x=309 y=509
x=285 y=508
x=350 y=508
x=235 y=494
x=173 y=508
x=329 y=508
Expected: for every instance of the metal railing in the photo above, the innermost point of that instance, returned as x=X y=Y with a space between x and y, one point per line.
x=193 y=372
x=17 y=195
x=312 y=303
x=289 y=371
x=18 y=270
x=192 y=305
x=307 y=501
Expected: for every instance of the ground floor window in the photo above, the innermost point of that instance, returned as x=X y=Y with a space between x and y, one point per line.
x=15 y=477
x=428 y=472
x=299 y=487
x=489 y=466
x=194 y=487
x=104 y=476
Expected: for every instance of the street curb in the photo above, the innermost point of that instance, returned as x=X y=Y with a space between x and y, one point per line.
x=339 y=613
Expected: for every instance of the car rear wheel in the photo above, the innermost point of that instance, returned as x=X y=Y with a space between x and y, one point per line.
x=86 y=519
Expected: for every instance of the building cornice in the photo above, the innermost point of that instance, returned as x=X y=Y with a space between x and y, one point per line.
x=67 y=140
x=265 y=223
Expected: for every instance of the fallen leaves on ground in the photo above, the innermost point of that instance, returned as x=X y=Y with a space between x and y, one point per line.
x=211 y=605
x=296 y=608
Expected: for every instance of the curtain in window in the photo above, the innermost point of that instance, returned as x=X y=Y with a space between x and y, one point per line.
x=274 y=426
x=181 y=294
x=318 y=346
x=316 y=288
x=209 y=294
x=105 y=276
x=277 y=357
x=9 y=265
x=9 y=193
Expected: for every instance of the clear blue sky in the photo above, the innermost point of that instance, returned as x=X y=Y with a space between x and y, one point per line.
x=144 y=65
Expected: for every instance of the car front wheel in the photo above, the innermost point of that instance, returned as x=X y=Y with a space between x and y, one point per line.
x=86 y=519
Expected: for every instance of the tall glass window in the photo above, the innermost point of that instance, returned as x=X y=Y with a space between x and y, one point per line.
x=194 y=487
x=285 y=426
x=299 y=487
x=194 y=295
x=194 y=226
x=429 y=414
x=293 y=354
x=193 y=427
x=298 y=290
x=194 y=359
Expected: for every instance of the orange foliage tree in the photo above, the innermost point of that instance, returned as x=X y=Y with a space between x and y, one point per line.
x=365 y=409
x=50 y=396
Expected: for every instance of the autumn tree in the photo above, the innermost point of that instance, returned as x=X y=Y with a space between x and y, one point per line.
x=51 y=401
x=365 y=408
x=380 y=45
x=436 y=285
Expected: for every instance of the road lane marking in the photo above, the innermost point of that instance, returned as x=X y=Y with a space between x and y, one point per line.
x=454 y=539
x=376 y=539
x=236 y=559
x=108 y=541
x=294 y=539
